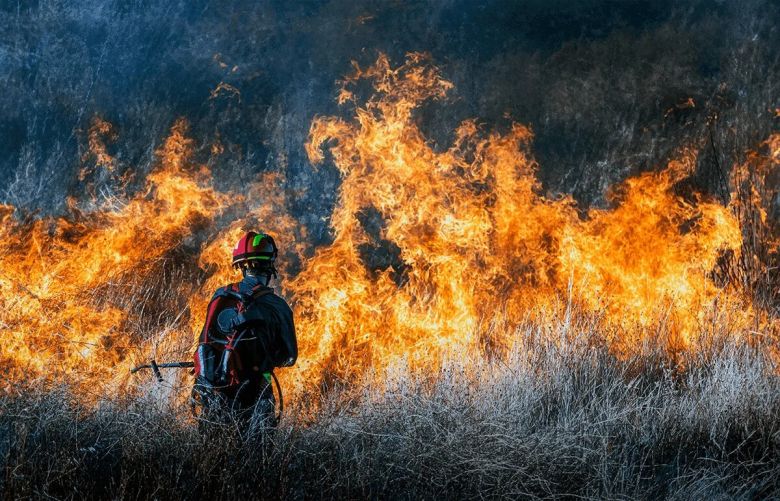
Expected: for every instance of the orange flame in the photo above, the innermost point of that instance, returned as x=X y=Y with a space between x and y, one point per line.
x=53 y=273
x=100 y=132
x=436 y=252
x=475 y=239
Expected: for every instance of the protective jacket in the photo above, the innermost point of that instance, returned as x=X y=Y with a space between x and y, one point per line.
x=248 y=331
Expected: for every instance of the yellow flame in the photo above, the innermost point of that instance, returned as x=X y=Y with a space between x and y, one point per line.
x=435 y=252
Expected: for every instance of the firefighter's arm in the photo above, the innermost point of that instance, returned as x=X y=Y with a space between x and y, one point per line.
x=290 y=343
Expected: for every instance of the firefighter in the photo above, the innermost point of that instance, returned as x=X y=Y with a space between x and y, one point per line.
x=248 y=332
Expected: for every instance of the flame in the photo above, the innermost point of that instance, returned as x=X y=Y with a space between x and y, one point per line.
x=475 y=239
x=54 y=273
x=436 y=251
x=100 y=133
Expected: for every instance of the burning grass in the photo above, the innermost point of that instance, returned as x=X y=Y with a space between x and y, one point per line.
x=431 y=244
x=462 y=334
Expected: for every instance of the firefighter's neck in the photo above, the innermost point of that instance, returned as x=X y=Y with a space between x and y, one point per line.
x=259 y=278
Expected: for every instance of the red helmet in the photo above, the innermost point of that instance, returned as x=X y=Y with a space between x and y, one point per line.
x=255 y=247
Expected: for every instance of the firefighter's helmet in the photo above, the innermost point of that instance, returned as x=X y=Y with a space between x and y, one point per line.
x=255 y=247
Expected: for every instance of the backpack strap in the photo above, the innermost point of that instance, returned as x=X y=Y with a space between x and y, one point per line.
x=260 y=291
x=229 y=290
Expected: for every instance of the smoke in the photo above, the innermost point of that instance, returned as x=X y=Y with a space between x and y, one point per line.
x=609 y=88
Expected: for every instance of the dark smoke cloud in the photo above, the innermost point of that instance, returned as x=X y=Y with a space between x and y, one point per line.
x=603 y=83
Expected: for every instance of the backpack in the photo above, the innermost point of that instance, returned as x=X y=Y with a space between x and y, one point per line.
x=247 y=342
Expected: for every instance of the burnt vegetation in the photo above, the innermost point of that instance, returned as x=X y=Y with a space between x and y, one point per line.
x=609 y=88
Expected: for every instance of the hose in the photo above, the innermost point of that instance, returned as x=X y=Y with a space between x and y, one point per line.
x=281 y=397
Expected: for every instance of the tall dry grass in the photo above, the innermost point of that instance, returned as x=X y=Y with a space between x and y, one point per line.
x=558 y=415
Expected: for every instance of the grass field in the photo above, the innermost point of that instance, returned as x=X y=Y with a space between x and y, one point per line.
x=480 y=207
x=559 y=416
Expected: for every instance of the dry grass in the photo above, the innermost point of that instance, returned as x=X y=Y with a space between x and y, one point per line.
x=556 y=417
x=559 y=416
